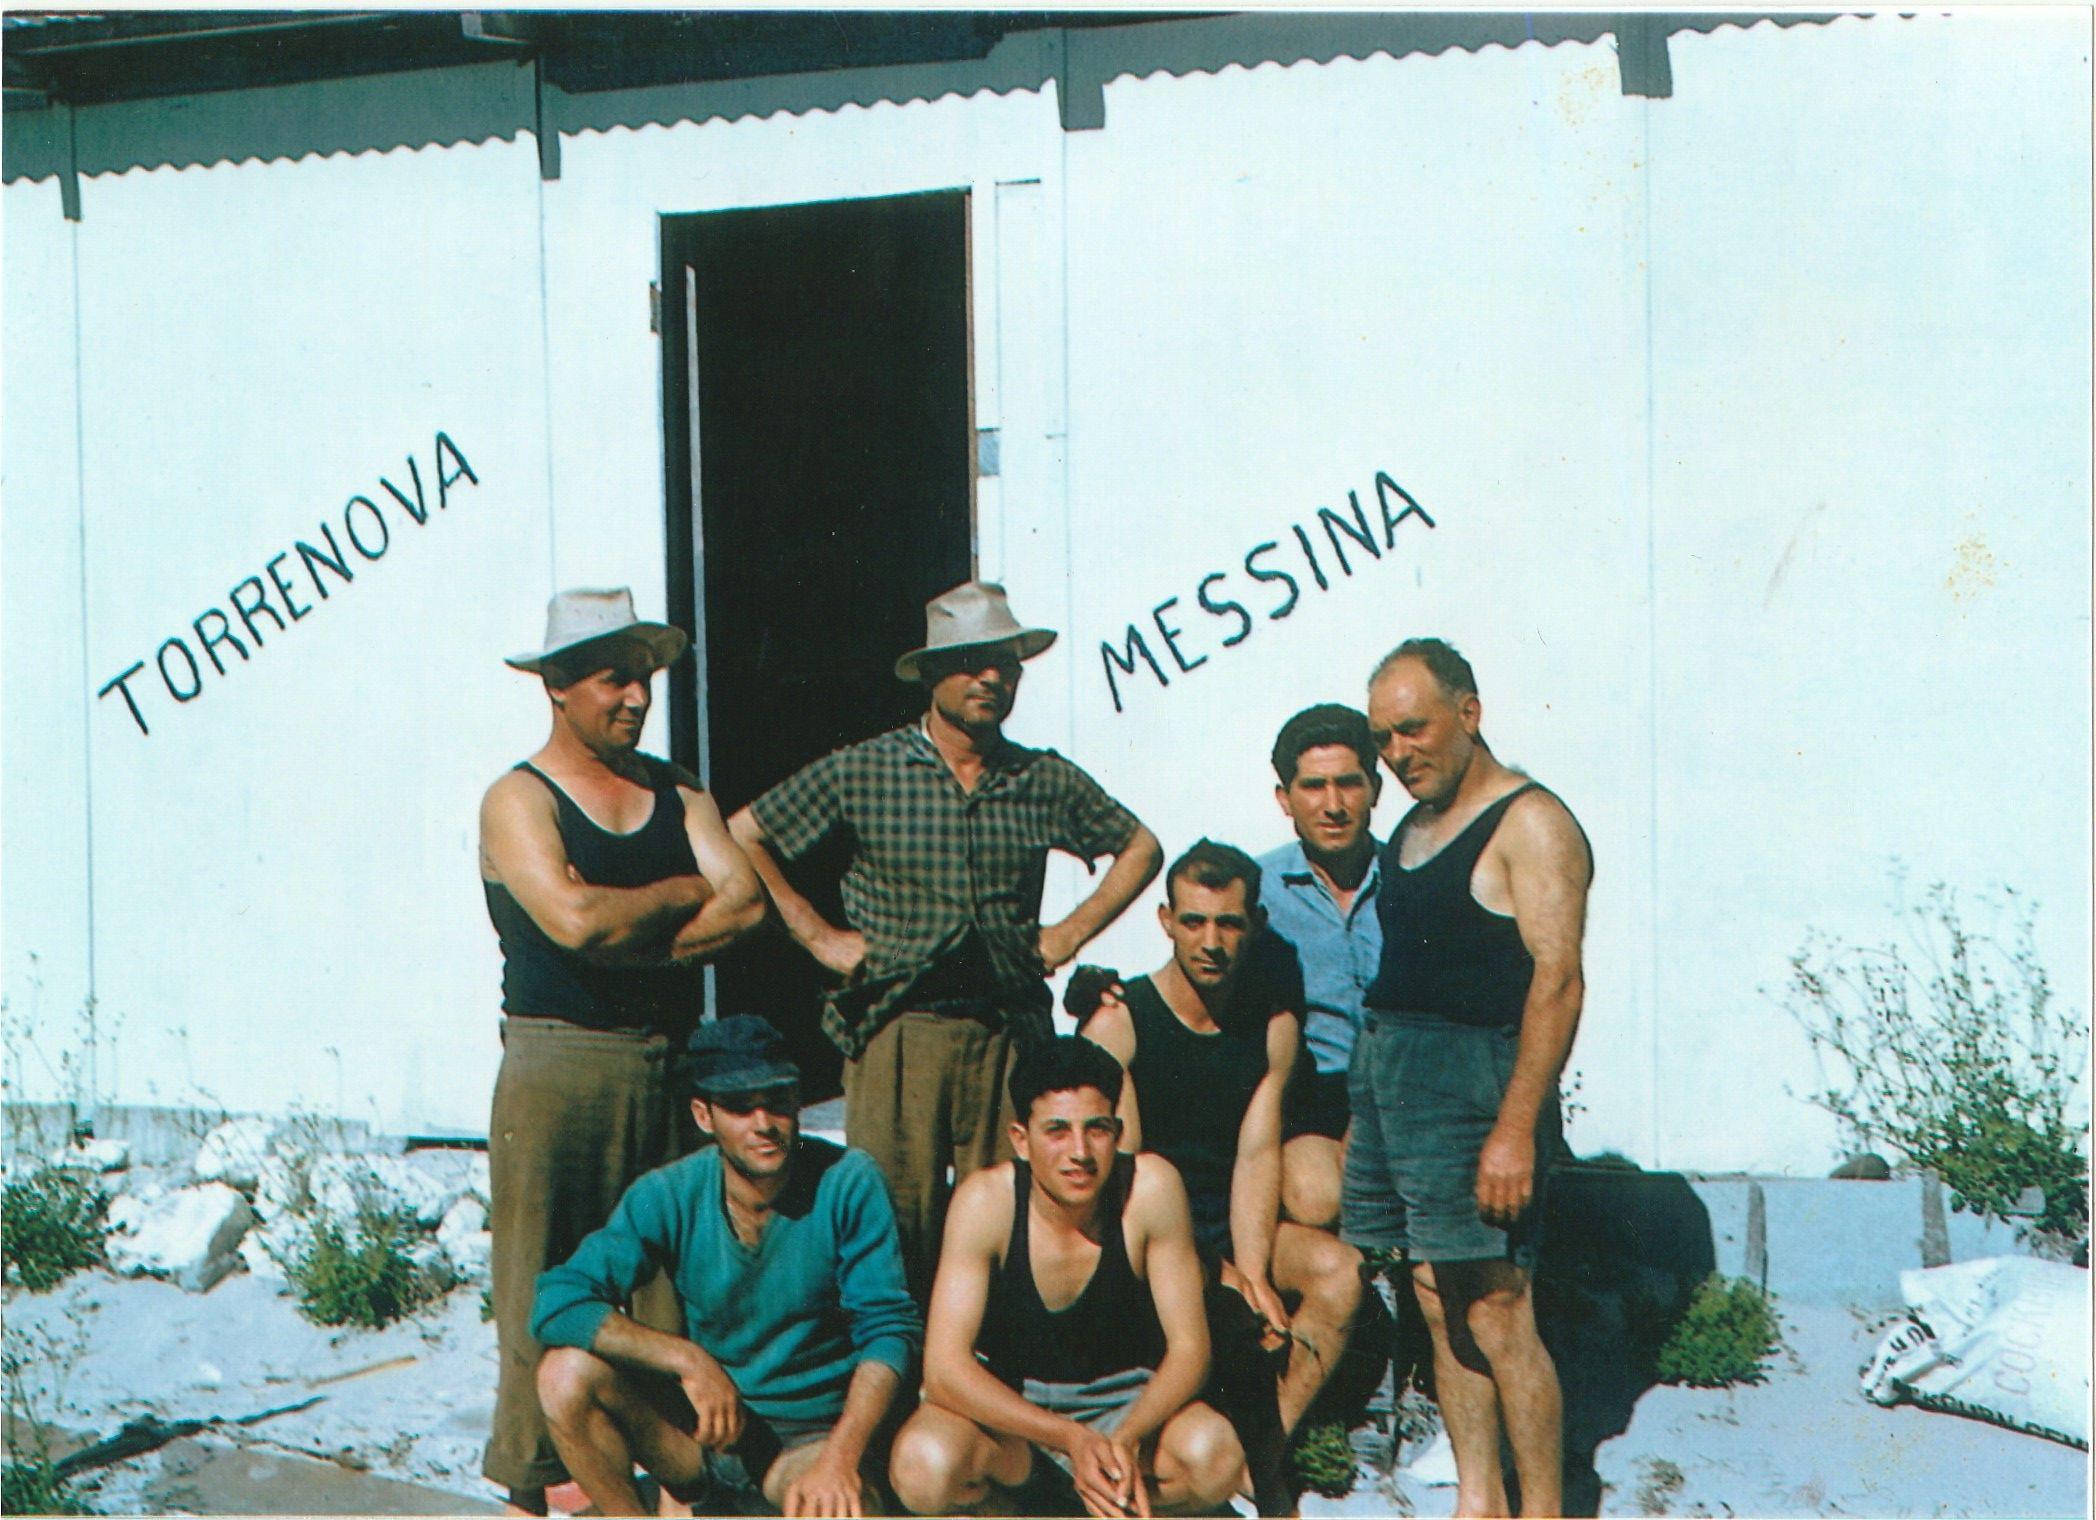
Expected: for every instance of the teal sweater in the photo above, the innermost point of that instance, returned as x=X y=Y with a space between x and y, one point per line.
x=788 y=1320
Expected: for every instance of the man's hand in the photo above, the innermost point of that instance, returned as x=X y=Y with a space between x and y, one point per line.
x=842 y=950
x=1108 y=1477
x=829 y=1489
x=1506 y=1175
x=1058 y=945
x=714 y=1401
x=1260 y=1294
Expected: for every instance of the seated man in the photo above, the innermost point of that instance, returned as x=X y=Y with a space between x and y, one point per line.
x=1066 y=1316
x=1209 y=1051
x=799 y=1330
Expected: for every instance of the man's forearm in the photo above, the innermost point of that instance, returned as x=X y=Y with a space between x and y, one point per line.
x=726 y=918
x=974 y=1393
x=1255 y=1208
x=1170 y=1389
x=802 y=921
x=1548 y=1022
x=1124 y=880
x=866 y=1402
x=625 y=1340
x=632 y=925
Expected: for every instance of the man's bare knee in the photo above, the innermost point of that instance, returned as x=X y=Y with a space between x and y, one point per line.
x=1500 y=1322
x=928 y=1469
x=571 y=1382
x=1205 y=1451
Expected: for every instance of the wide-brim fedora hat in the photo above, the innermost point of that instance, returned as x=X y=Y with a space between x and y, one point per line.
x=971 y=615
x=584 y=616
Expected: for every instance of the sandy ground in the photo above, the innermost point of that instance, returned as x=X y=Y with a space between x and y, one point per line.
x=1805 y=1442
x=396 y=1436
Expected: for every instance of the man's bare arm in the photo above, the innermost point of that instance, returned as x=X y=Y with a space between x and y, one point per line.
x=1112 y=1029
x=737 y=904
x=832 y=1484
x=1157 y=1205
x=520 y=848
x=713 y=1396
x=841 y=950
x=1548 y=868
x=1255 y=1178
x=1132 y=870
x=977 y=1223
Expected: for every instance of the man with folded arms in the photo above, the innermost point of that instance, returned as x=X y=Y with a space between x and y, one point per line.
x=1067 y=1322
x=609 y=876
x=799 y=1329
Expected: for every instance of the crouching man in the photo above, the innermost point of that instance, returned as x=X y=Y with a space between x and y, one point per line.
x=799 y=1329
x=1066 y=1318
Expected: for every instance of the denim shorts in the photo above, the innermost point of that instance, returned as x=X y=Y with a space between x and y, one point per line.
x=1425 y=1093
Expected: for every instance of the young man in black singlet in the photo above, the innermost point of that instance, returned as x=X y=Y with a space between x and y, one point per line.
x=1209 y=1041
x=608 y=875
x=1066 y=1318
x=1454 y=1080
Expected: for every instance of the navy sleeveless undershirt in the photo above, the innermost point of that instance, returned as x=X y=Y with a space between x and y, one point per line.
x=1444 y=952
x=542 y=980
x=1110 y=1327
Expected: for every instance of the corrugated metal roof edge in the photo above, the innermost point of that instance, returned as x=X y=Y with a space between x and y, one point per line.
x=1077 y=61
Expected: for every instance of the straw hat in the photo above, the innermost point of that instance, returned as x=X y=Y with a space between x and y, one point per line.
x=575 y=618
x=973 y=613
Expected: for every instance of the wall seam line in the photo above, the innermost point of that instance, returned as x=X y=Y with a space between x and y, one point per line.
x=1651 y=654
x=87 y=736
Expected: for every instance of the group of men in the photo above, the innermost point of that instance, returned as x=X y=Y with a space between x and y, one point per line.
x=1353 y=1045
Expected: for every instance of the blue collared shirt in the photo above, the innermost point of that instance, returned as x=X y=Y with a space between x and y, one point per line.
x=1341 y=951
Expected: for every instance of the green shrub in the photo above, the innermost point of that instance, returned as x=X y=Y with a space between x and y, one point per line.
x=1322 y=1460
x=362 y=1271
x=54 y=1226
x=1949 y=1050
x=32 y=1486
x=1726 y=1336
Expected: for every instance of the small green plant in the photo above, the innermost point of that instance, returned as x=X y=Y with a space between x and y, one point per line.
x=487 y=1302
x=55 y=1226
x=1322 y=1460
x=32 y=1485
x=1726 y=1336
x=1950 y=1051
x=363 y=1271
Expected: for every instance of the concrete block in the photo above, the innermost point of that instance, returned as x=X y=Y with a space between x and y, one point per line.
x=1843 y=1242
x=234 y=1153
x=1975 y=1236
x=188 y=1236
x=1727 y=1199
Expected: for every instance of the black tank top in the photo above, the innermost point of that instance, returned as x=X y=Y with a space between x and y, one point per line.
x=542 y=980
x=1191 y=1093
x=1444 y=952
x=1109 y=1327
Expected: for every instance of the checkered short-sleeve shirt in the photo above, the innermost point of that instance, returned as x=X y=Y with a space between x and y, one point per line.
x=931 y=862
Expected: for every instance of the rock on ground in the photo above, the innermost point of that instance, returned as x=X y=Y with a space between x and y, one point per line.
x=187 y=1236
x=234 y=1153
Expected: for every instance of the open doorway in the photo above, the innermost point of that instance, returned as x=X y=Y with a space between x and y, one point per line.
x=817 y=429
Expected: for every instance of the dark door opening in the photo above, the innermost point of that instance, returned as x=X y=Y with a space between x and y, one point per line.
x=817 y=428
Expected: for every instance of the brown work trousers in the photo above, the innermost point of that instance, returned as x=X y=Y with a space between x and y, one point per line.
x=930 y=1094
x=578 y=1114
